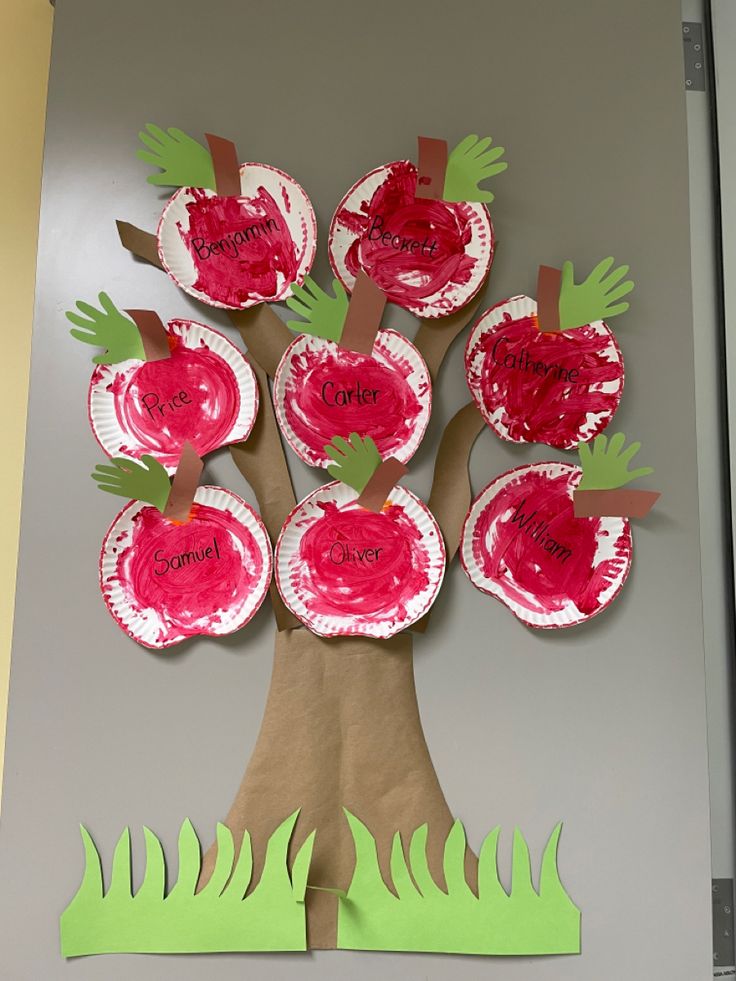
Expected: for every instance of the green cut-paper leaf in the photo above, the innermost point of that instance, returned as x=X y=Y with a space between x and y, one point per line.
x=426 y=918
x=218 y=918
x=597 y=298
x=183 y=161
x=473 y=160
x=354 y=463
x=324 y=315
x=107 y=328
x=144 y=481
x=606 y=466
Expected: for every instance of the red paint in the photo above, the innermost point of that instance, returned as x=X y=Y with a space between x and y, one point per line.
x=544 y=405
x=206 y=421
x=317 y=377
x=408 y=278
x=262 y=264
x=541 y=566
x=199 y=598
x=371 y=590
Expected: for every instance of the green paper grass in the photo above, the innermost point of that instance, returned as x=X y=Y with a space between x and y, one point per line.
x=218 y=918
x=419 y=916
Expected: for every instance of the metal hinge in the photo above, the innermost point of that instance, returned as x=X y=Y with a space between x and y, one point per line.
x=724 y=955
x=692 y=43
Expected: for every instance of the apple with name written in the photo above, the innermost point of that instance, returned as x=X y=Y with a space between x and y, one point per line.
x=233 y=235
x=357 y=557
x=552 y=541
x=156 y=387
x=324 y=388
x=179 y=559
x=422 y=232
x=551 y=371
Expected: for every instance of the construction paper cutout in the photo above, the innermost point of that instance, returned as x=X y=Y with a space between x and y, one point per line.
x=183 y=161
x=205 y=392
x=184 y=485
x=418 y=915
x=321 y=390
x=548 y=298
x=559 y=388
x=434 y=337
x=324 y=315
x=472 y=161
x=605 y=471
x=146 y=481
x=596 y=297
x=220 y=917
x=142 y=244
x=363 y=317
x=354 y=462
x=165 y=581
x=343 y=570
x=431 y=168
x=523 y=544
x=262 y=462
x=378 y=489
x=153 y=334
x=430 y=257
x=107 y=328
x=235 y=252
x=265 y=334
x=225 y=161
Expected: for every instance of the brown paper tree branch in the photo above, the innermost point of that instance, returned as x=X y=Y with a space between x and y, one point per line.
x=261 y=460
x=434 y=337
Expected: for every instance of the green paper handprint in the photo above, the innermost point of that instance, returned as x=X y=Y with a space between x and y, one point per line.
x=183 y=161
x=145 y=481
x=354 y=462
x=595 y=298
x=471 y=162
x=107 y=328
x=606 y=467
x=324 y=315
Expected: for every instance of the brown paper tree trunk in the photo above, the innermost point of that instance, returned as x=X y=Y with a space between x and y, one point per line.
x=341 y=729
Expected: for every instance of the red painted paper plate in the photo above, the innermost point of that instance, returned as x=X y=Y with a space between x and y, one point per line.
x=321 y=391
x=523 y=544
x=164 y=581
x=559 y=387
x=205 y=392
x=343 y=570
x=428 y=256
x=234 y=252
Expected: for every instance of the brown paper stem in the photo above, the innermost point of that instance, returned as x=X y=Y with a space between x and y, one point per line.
x=548 y=298
x=434 y=337
x=265 y=335
x=431 y=168
x=225 y=164
x=142 y=244
x=262 y=462
x=619 y=503
x=153 y=334
x=363 y=319
x=377 y=490
x=184 y=485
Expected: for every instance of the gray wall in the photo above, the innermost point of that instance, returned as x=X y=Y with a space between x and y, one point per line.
x=603 y=725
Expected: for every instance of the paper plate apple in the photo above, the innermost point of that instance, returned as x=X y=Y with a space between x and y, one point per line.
x=346 y=374
x=157 y=387
x=180 y=560
x=551 y=371
x=552 y=540
x=361 y=555
x=233 y=235
x=421 y=232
